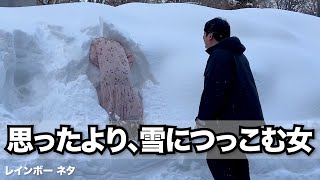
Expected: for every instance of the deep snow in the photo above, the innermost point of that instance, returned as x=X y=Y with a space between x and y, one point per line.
x=44 y=77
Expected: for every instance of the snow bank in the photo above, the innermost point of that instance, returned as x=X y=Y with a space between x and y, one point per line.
x=44 y=76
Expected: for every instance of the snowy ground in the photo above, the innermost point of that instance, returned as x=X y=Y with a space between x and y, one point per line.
x=43 y=78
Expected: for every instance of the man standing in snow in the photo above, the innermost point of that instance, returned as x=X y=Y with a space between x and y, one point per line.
x=229 y=93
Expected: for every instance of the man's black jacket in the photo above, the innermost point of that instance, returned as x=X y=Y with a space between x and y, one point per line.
x=229 y=90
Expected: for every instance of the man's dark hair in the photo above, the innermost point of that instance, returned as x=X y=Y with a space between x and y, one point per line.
x=219 y=28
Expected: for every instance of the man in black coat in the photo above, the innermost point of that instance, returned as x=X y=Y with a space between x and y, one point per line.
x=229 y=92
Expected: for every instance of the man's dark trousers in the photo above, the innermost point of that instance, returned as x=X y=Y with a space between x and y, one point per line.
x=229 y=169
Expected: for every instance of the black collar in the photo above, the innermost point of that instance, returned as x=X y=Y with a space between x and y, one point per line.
x=220 y=44
x=211 y=49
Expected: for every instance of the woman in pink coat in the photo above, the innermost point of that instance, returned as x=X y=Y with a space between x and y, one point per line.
x=115 y=91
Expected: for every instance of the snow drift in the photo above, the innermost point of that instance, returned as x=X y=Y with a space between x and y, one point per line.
x=44 y=75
